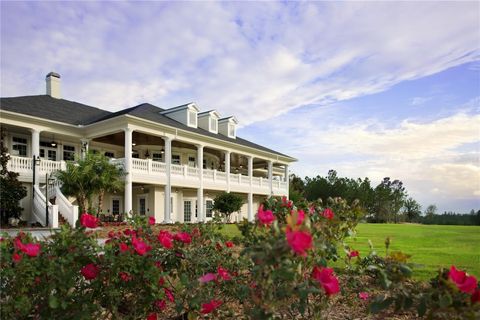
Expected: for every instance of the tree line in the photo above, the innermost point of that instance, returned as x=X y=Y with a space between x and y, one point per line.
x=388 y=202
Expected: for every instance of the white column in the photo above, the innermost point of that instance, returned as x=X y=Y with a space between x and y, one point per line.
x=168 y=186
x=270 y=176
x=36 y=152
x=251 y=215
x=287 y=180
x=200 y=212
x=128 y=171
x=84 y=150
x=227 y=169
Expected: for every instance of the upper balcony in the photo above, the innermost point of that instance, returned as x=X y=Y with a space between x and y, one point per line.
x=148 y=171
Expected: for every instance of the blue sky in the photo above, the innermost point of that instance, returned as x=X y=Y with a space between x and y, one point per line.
x=367 y=88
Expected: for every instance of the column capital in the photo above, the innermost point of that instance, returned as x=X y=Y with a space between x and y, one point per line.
x=128 y=129
x=199 y=146
x=35 y=130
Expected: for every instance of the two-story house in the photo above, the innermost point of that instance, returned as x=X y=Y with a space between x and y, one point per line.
x=176 y=160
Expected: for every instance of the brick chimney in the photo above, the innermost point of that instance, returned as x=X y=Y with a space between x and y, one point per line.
x=53 y=85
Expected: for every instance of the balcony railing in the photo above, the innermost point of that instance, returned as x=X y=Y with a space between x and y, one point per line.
x=24 y=165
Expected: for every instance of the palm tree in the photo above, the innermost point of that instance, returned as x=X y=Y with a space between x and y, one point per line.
x=93 y=175
x=108 y=178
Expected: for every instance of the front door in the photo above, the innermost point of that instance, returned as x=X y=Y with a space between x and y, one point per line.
x=187 y=210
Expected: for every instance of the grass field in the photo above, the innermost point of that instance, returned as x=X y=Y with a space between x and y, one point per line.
x=431 y=246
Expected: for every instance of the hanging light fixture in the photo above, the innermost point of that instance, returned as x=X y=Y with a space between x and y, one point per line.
x=162 y=151
x=53 y=144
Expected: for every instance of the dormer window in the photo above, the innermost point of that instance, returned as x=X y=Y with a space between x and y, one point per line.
x=192 y=118
x=208 y=120
x=186 y=114
x=213 y=125
x=228 y=127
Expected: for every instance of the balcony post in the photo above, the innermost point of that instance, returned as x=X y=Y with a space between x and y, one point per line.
x=35 y=153
x=251 y=216
x=168 y=186
x=250 y=169
x=227 y=169
x=84 y=149
x=200 y=213
x=287 y=181
x=149 y=164
x=128 y=170
x=270 y=176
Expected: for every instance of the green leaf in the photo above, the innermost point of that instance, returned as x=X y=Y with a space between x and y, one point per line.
x=445 y=300
x=422 y=308
x=53 y=302
x=380 y=303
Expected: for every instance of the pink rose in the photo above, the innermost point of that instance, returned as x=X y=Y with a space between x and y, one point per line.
x=88 y=221
x=210 y=306
x=123 y=247
x=140 y=247
x=125 y=276
x=464 y=282
x=183 y=237
x=151 y=220
x=299 y=241
x=160 y=304
x=169 y=295
x=328 y=213
x=353 y=254
x=207 y=277
x=223 y=273
x=476 y=296
x=16 y=258
x=31 y=249
x=363 y=295
x=266 y=217
x=90 y=271
x=300 y=216
x=165 y=239
x=327 y=279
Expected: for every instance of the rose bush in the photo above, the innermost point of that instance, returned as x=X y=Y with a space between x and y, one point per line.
x=281 y=267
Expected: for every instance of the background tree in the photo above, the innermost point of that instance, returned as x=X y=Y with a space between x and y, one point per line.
x=412 y=210
x=389 y=198
x=11 y=190
x=431 y=210
x=296 y=188
x=227 y=203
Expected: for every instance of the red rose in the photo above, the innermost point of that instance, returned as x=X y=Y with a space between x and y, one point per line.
x=265 y=217
x=328 y=213
x=229 y=244
x=88 y=221
x=151 y=220
x=299 y=241
x=476 y=296
x=125 y=276
x=327 y=279
x=210 y=306
x=207 y=277
x=160 y=304
x=16 y=257
x=464 y=282
x=183 y=237
x=353 y=254
x=111 y=234
x=165 y=239
x=161 y=282
x=90 y=271
x=286 y=202
x=169 y=295
x=123 y=247
x=140 y=247
x=223 y=273
x=152 y=316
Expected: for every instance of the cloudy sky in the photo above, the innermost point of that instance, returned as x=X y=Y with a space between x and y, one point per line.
x=369 y=89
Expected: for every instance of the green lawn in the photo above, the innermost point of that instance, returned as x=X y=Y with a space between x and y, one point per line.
x=432 y=246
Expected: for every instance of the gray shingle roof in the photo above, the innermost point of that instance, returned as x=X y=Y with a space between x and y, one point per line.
x=44 y=106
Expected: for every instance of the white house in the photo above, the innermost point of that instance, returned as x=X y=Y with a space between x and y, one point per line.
x=181 y=154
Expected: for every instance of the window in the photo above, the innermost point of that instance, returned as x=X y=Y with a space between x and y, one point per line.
x=192 y=118
x=19 y=146
x=52 y=155
x=142 y=206
x=157 y=156
x=109 y=154
x=213 y=124
x=68 y=153
x=209 y=207
x=187 y=211
x=115 y=206
x=191 y=161
x=176 y=159
x=204 y=163
x=231 y=130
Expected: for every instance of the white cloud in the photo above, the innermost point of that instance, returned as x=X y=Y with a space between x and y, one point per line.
x=236 y=57
x=418 y=101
